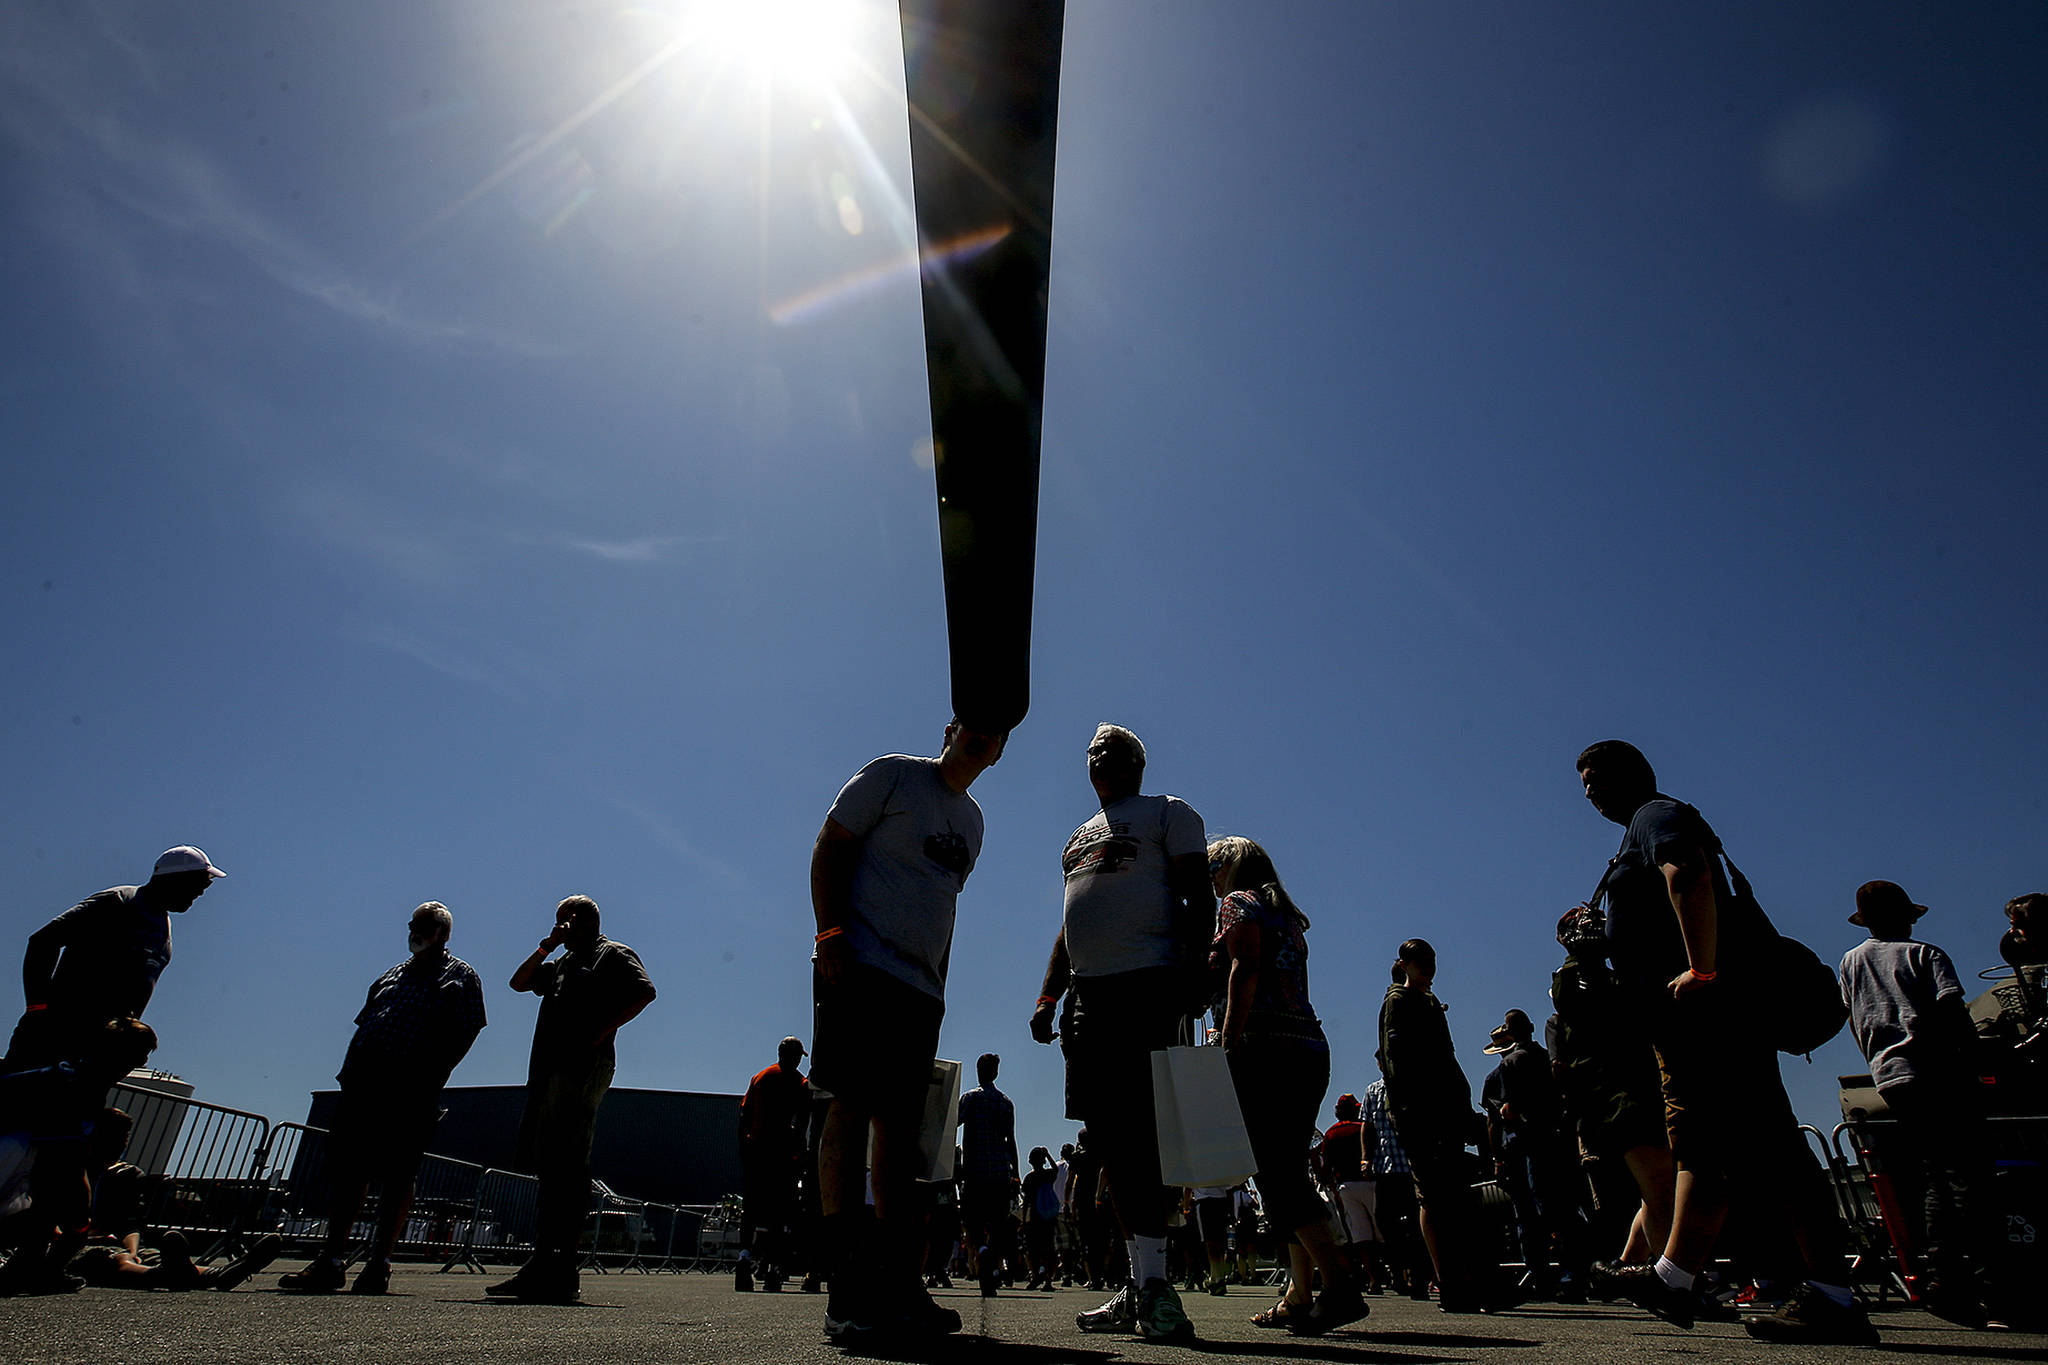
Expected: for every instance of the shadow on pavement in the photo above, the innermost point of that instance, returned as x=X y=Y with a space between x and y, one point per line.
x=1456 y=1340
x=963 y=1348
x=1946 y=1348
x=1333 y=1348
x=526 y=1303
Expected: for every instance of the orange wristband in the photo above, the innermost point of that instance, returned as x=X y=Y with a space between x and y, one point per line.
x=1699 y=975
x=829 y=933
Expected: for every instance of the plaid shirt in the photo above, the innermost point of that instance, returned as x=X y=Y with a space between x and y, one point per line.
x=1387 y=1158
x=419 y=1020
x=988 y=1149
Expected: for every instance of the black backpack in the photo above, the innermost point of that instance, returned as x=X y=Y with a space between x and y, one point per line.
x=1795 y=997
x=1798 y=996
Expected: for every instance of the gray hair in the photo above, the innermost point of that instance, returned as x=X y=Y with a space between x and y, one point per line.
x=1132 y=747
x=439 y=914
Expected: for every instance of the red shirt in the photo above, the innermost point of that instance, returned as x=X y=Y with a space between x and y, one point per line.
x=773 y=1112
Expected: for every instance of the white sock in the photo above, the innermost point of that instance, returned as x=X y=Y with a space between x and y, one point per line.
x=1839 y=1293
x=1131 y=1253
x=1148 y=1259
x=1672 y=1275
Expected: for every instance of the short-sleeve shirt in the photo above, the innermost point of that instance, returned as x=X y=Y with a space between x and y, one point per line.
x=116 y=944
x=988 y=1134
x=1387 y=1156
x=918 y=841
x=1643 y=939
x=1527 y=1086
x=1426 y=1088
x=581 y=992
x=1119 y=913
x=1892 y=988
x=417 y=1022
x=1346 y=1152
x=1280 y=1010
x=772 y=1112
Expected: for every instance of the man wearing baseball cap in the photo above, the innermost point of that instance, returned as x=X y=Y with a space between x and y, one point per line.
x=1911 y=1017
x=100 y=960
x=775 y=1117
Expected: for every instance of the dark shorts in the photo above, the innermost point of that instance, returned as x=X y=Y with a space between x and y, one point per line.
x=381 y=1130
x=986 y=1206
x=1113 y=1026
x=1725 y=1109
x=873 y=1039
x=1437 y=1161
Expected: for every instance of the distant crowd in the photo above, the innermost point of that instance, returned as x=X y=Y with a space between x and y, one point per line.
x=1644 y=1150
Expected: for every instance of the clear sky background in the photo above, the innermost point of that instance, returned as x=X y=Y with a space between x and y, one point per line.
x=470 y=450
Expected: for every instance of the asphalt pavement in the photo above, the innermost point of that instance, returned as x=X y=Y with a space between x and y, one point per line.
x=439 y=1319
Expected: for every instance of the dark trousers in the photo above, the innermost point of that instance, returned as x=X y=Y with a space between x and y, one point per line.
x=555 y=1134
x=1937 y=1144
x=1545 y=1192
x=1280 y=1089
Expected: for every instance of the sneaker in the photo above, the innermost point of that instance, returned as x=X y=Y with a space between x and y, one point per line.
x=991 y=1273
x=921 y=1315
x=1962 y=1307
x=743 y=1277
x=1120 y=1314
x=850 y=1318
x=1600 y=1280
x=248 y=1263
x=1160 y=1315
x=1333 y=1308
x=1643 y=1287
x=174 y=1268
x=373 y=1278
x=1219 y=1288
x=34 y=1275
x=1811 y=1318
x=544 y=1279
x=322 y=1275
x=1707 y=1307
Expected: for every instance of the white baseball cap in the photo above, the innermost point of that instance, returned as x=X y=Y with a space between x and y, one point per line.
x=185 y=858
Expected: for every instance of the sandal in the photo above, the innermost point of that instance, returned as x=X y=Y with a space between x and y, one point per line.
x=1281 y=1314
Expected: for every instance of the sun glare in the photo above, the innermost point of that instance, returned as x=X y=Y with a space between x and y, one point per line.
x=808 y=41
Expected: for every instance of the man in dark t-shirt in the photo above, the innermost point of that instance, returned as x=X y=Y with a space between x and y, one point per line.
x=1431 y=1102
x=100 y=959
x=1673 y=927
x=586 y=996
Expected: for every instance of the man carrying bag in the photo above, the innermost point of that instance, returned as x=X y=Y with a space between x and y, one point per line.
x=1674 y=928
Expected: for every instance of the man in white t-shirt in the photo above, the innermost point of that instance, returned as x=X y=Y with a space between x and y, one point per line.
x=1138 y=912
x=888 y=865
x=1910 y=1016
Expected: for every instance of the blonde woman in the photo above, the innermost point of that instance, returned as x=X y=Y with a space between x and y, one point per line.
x=1280 y=1062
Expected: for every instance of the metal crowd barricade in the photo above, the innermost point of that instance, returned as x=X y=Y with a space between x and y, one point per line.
x=501 y=1221
x=294 y=1186
x=718 y=1236
x=618 y=1231
x=206 y=1162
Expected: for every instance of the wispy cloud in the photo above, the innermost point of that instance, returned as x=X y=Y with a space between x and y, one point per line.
x=631 y=549
x=665 y=833
x=63 y=107
x=434 y=654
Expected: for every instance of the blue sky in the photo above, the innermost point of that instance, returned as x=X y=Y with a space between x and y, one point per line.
x=446 y=464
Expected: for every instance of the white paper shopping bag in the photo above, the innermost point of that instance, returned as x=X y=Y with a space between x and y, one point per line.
x=1201 y=1130
x=936 y=1129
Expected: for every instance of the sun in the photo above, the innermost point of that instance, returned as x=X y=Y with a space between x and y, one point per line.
x=807 y=42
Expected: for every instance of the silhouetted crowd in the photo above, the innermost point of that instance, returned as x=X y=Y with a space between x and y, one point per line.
x=1644 y=1149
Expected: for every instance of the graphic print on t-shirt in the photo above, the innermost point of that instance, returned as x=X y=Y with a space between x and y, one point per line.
x=949 y=851
x=1097 y=849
